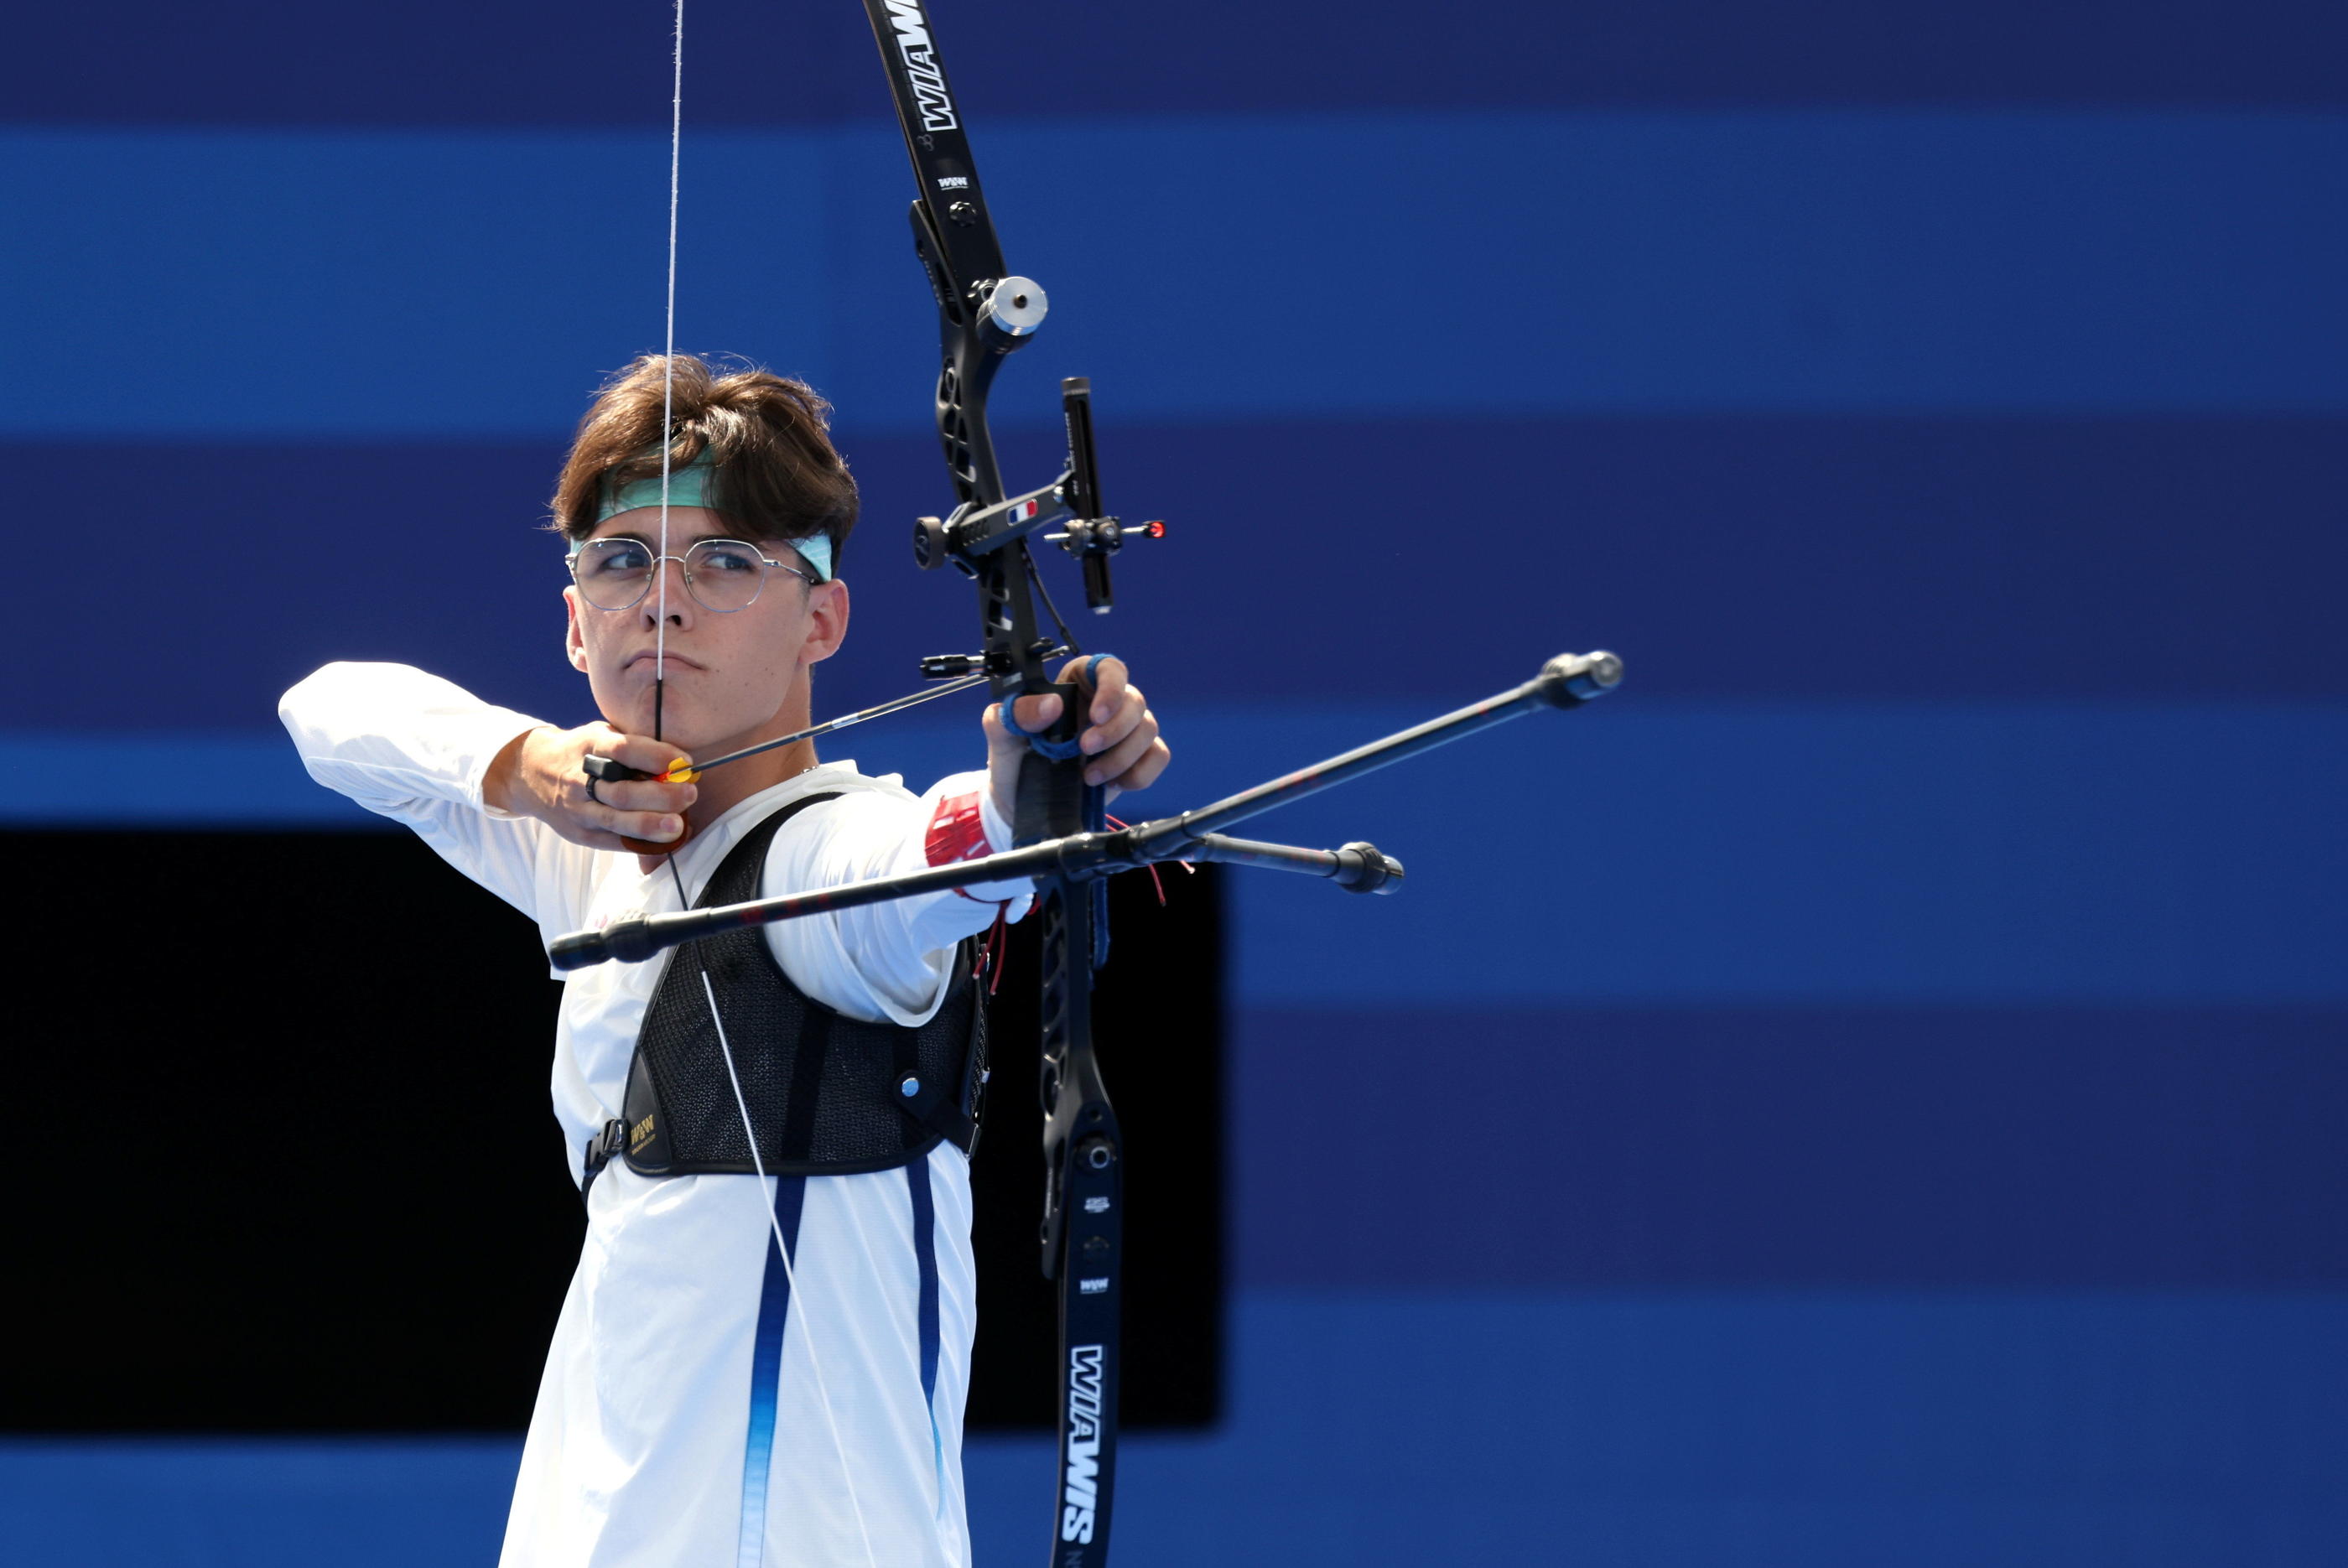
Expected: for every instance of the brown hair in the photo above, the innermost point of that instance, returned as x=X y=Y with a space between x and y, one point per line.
x=778 y=475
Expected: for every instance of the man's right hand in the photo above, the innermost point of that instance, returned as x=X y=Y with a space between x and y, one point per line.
x=542 y=773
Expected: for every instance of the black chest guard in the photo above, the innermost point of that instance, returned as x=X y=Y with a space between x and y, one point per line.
x=829 y=1095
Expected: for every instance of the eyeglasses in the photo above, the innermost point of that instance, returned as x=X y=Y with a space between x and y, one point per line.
x=722 y=574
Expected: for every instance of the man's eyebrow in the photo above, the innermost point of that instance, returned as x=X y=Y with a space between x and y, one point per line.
x=703 y=537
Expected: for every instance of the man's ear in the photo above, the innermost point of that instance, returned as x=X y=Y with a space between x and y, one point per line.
x=828 y=622
x=573 y=642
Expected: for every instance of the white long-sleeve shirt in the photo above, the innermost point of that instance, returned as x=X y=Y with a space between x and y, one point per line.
x=635 y=1453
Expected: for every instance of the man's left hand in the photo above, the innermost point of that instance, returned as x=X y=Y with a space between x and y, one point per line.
x=1119 y=742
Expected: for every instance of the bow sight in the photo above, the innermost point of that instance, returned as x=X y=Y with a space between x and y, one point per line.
x=985 y=312
x=1073 y=500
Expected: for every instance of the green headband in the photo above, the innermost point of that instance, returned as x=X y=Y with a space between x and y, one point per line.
x=691 y=486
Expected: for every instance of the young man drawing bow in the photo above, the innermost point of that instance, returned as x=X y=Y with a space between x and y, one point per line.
x=701 y=1403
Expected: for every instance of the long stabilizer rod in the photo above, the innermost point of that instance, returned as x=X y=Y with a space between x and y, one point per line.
x=1567 y=681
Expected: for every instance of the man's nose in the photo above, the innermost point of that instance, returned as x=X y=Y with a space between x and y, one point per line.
x=667 y=595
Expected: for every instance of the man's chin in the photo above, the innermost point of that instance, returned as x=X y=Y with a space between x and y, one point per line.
x=684 y=719
x=633 y=704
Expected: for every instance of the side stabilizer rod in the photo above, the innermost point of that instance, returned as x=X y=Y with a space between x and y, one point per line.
x=1356 y=867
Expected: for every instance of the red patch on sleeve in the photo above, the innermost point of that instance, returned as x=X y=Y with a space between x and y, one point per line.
x=957 y=832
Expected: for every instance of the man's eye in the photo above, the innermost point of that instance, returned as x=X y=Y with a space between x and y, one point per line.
x=730 y=561
x=619 y=560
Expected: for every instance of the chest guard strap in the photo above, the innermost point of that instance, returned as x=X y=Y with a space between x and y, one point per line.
x=829 y=1095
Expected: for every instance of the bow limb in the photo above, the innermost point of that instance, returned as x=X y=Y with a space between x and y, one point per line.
x=985 y=312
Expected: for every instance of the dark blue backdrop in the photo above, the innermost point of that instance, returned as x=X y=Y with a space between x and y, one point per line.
x=1871 y=1096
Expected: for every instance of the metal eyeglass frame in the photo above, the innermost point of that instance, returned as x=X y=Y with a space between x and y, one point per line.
x=685 y=570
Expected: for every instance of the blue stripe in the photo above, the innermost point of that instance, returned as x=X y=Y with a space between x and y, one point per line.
x=1652 y=852
x=1733 y=557
x=60 y=780
x=278 y=62
x=925 y=1258
x=1658 y=853
x=1826 y=261
x=1793 y=1149
x=765 y=1371
x=1756 y=1431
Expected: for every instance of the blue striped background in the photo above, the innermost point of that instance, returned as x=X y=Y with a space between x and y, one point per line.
x=1868 y=1094
x=220 y=283
x=1943 y=1430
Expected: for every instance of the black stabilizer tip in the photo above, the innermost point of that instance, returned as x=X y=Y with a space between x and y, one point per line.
x=1570 y=680
x=630 y=941
x=577 y=950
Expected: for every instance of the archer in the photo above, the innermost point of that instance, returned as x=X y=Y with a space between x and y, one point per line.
x=764 y=1350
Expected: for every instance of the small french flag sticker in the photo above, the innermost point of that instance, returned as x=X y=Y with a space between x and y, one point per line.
x=1023 y=511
